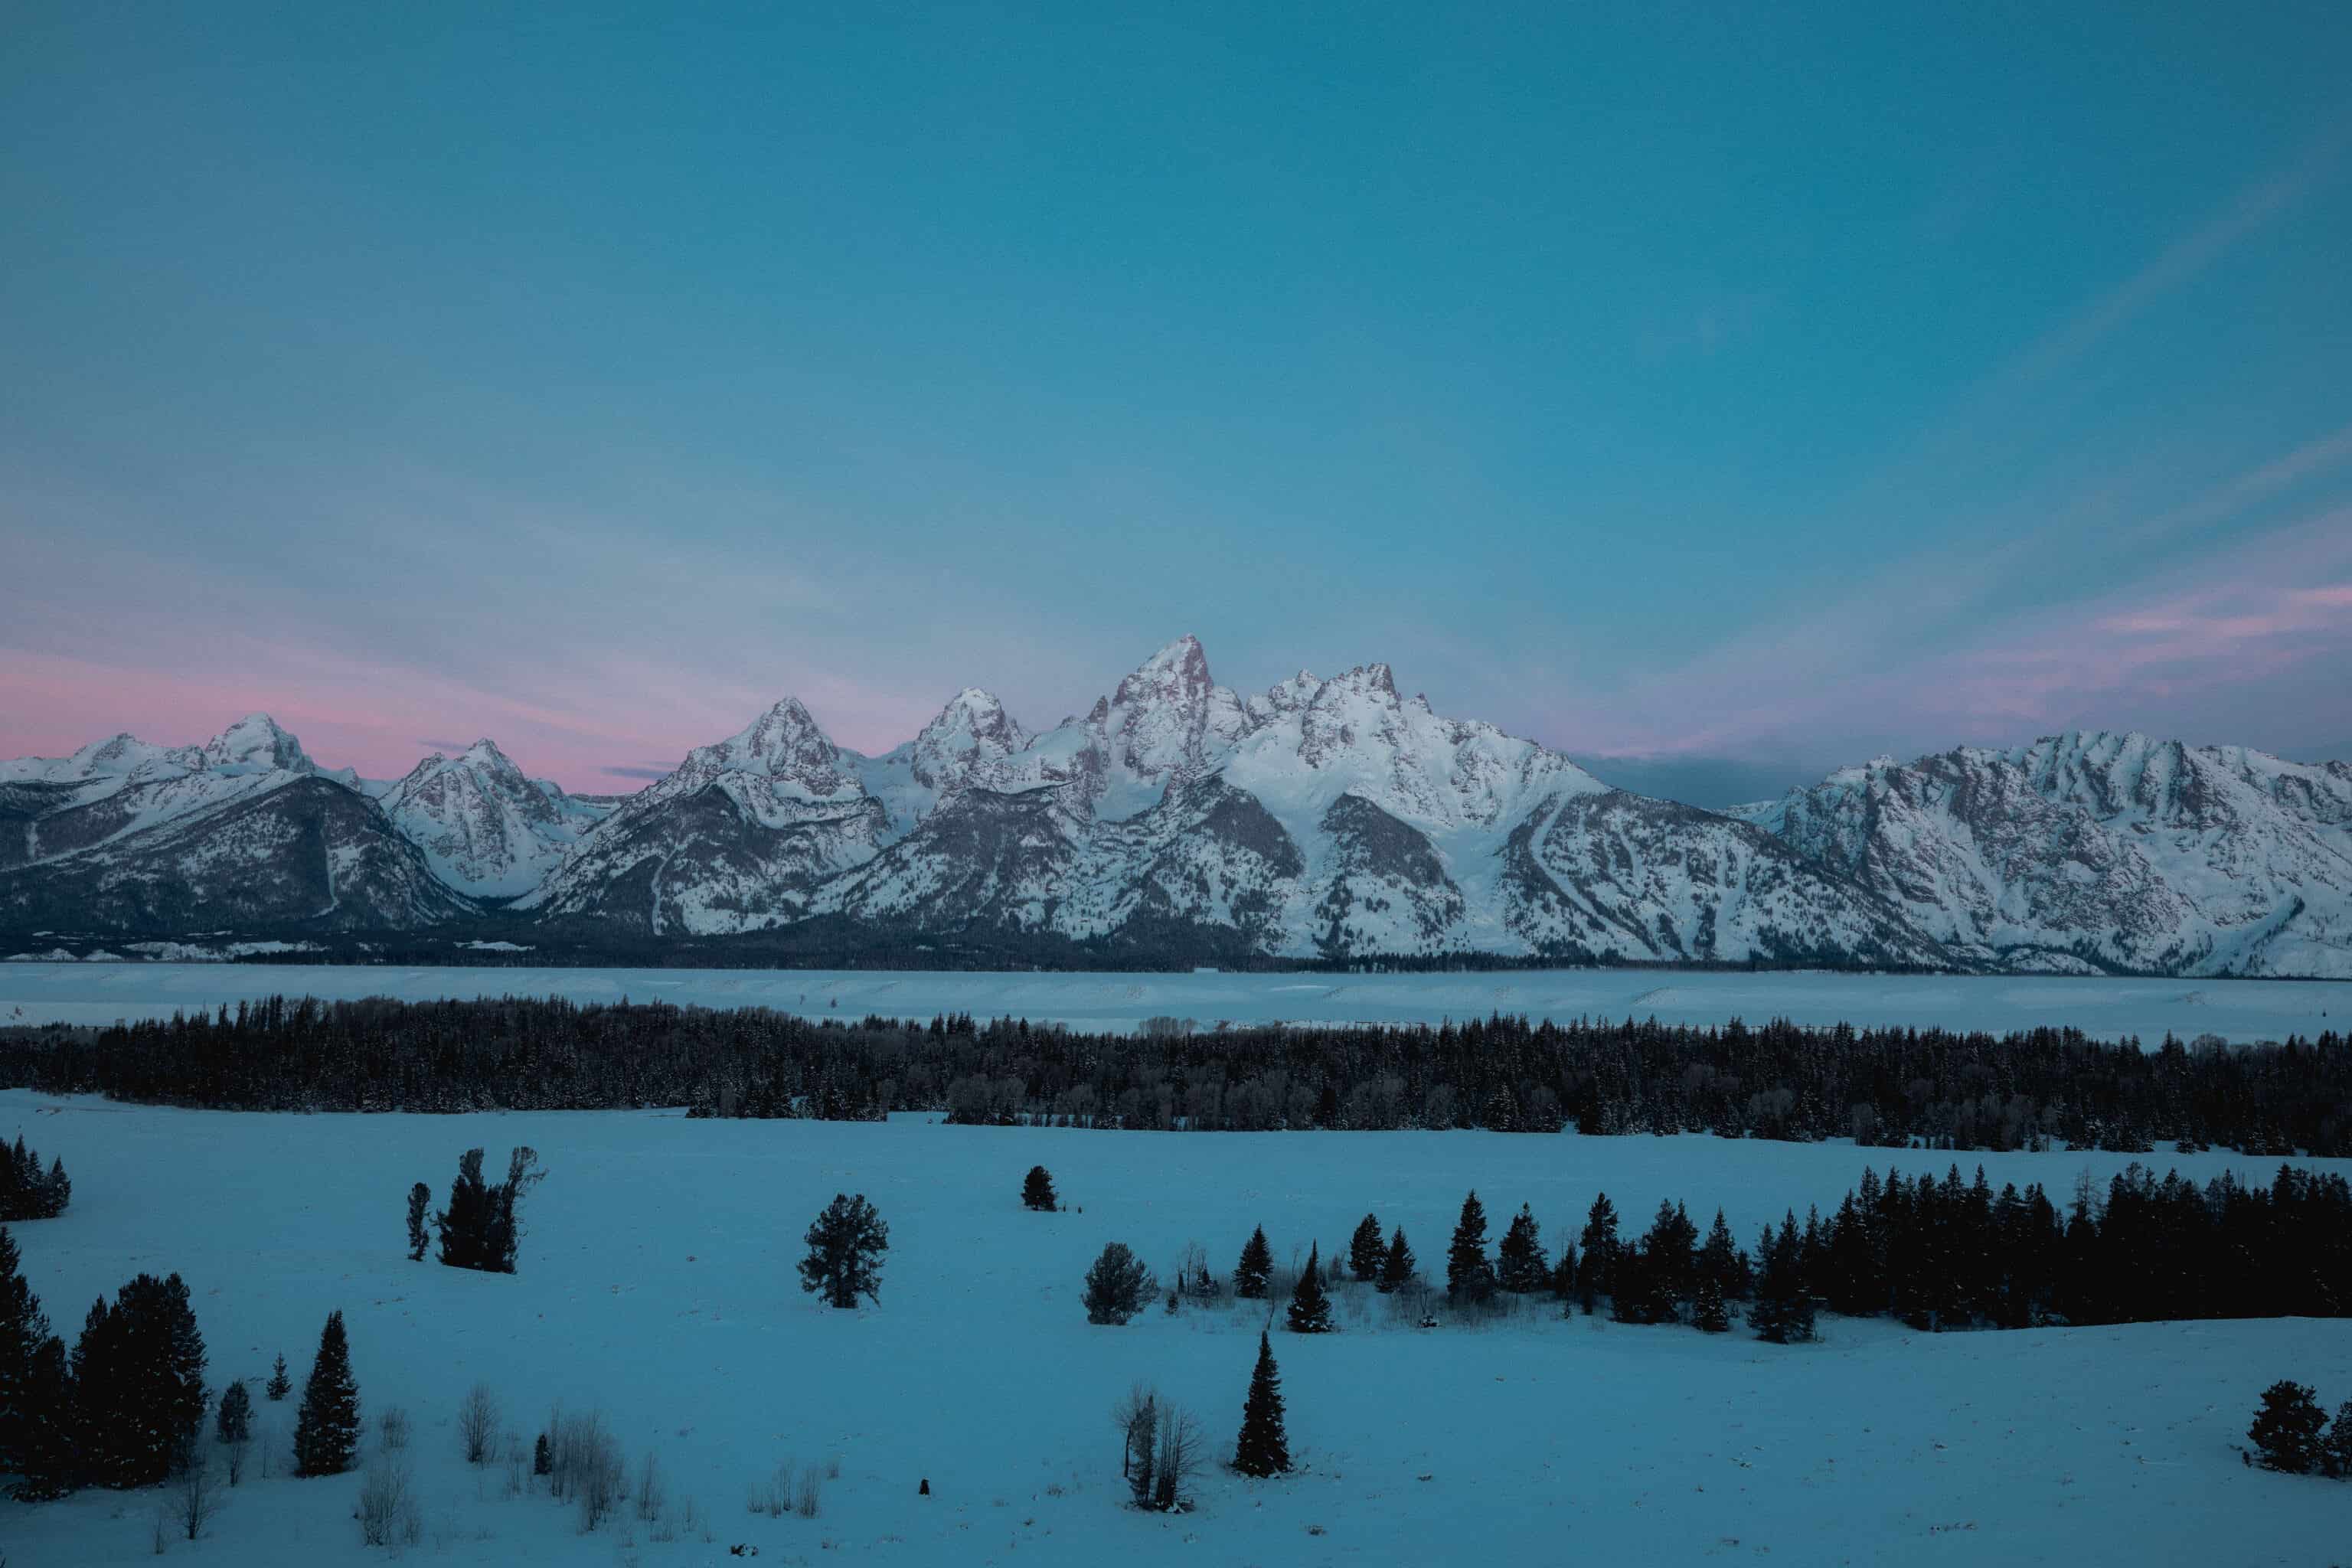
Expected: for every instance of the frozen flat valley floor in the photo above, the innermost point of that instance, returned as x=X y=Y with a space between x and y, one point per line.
x=657 y=1287
x=83 y=992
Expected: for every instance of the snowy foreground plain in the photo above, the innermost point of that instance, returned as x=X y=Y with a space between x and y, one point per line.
x=2107 y=1009
x=657 y=1287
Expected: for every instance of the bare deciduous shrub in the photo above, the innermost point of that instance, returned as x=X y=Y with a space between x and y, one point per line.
x=233 y=1456
x=477 y=1424
x=808 y=1491
x=1177 y=1463
x=518 y=1473
x=387 y=1510
x=584 y=1464
x=1136 y=1416
x=650 y=1493
x=197 y=1497
x=394 y=1427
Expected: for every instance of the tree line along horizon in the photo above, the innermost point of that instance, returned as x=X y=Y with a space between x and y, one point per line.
x=1930 y=1088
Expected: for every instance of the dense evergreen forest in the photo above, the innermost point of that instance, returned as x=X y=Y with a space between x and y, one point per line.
x=1881 y=1086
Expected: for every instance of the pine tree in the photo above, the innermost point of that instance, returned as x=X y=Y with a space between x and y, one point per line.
x=327 y=1427
x=1396 y=1264
x=1707 y=1313
x=235 y=1421
x=1365 y=1250
x=1257 y=1267
x=280 y=1385
x=541 y=1461
x=138 y=1382
x=1037 y=1190
x=1262 y=1449
x=1783 y=1312
x=1563 y=1272
x=1596 y=1270
x=24 y=1330
x=1310 y=1309
x=1115 y=1286
x=2335 y=1451
x=420 y=1198
x=2286 y=1428
x=1469 y=1277
x=1520 y=1265
x=46 y=1440
x=465 y=1224
x=845 y=1243
x=1719 y=1260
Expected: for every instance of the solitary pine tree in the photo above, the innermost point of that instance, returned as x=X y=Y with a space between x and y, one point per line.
x=1115 y=1286
x=327 y=1427
x=1520 y=1266
x=1469 y=1277
x=1397 y=1264
x=1037 y=1190
x=2286 y=1428
x=845 y=1243
x=1310 y=1309
x=1263 y=1448
x=1250 y=1276
x=420 y=1198
x=280 y=1385
x=1365 y=1250
x=235 y=1422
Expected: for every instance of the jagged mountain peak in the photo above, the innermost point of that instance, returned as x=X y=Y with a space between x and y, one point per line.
x=256 y=743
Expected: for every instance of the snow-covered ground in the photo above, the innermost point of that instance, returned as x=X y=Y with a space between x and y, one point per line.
x=657 y=1287
x=2234 y=1009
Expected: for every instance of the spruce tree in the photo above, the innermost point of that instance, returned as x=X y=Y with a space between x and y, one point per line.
x=845 y=1243
x=1396 y=1264
x=464 y=1225
x=2335 y=1452
x=1037 y=1190
x=24 y=1330
x=1469 y=1277
x=1720 y=1259
x=1263 y=1448
x=1115 y=1286
x=235 y=1422
x=327 y=1427
x=138 y=1382
x=1310 y=1309
x=1596 y=1268
x=2286 y=1428
x=1708 y=1314
x=1520 y=1266
x=280 y=1385
x=420 y=1198
x=1365 y=1250
x=47 y=1453
x=1257 y=1267
x=1563 y=1272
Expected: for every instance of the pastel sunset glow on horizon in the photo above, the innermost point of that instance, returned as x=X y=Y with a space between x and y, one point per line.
x=1744 y=398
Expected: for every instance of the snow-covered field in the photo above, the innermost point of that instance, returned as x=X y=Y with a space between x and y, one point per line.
x=657 y=1287
x=2234 y=1009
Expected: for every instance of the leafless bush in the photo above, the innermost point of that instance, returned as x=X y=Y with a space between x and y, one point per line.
x=477 y=1424
x=518 y=1472
x=1177 y=1461
x=585 y=1465
x=387 y=1510
x=197 y=1497
x=808 y=1491
x=163 y=1534
x=650 y=1492
x=394 y=1425
x=233 y=1456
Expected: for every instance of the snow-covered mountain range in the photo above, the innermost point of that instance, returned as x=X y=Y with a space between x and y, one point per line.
x=1322 y=818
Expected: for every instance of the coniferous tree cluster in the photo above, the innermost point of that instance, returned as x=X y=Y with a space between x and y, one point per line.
x=27 y=1191
x=482 y=1227
x=1915 y=1088
x=122 y=1410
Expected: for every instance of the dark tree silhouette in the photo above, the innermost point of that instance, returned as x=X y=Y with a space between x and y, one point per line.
x=1397 y=1264
x=1597 y=1249
x=1365 y=1250
x=1520 y=1266
x=1251 y=1275
x=2286 y=1427
x=280 y=1385
x=845 y=1243
x=1263 y=1447
x=137 y=1373
x=1037 y=1190
x=1116 y=1285
x=420 y=1198
x=327 y=1426
x=1310 y=1307
x=234 y=1423
x=1469 y=1277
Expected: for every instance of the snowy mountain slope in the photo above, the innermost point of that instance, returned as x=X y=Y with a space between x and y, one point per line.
x=733 y=840
x=970 y=736
x=484 y=829
x=2097 y=849
x=54 y=808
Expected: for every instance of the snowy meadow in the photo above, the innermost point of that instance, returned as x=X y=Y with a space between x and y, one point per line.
x=656 y=1289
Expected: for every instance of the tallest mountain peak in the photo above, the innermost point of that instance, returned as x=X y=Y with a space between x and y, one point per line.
x=1180 y=670
x=256 y=742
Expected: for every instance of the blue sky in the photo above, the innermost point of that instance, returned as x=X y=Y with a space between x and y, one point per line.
x=1742 y=389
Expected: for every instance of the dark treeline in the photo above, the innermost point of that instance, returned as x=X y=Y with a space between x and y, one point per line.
x=1881 y=1087
x=1950 y=1253
x=27 y=1191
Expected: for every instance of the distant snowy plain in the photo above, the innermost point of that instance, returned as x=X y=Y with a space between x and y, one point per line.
x=657 y=1287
